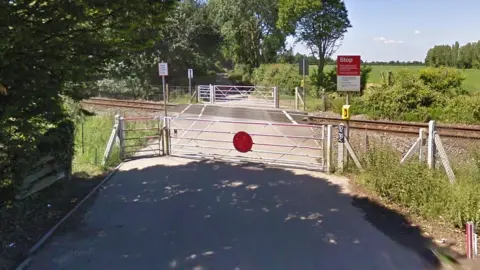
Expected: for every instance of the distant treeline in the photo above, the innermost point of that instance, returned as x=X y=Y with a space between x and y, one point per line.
x=466 y=56
x=288 y=57
x=394 y=63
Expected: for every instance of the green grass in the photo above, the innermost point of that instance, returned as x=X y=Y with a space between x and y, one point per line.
x=181 y=99
x=96 y=132
x=422 y=191
x=472 y=81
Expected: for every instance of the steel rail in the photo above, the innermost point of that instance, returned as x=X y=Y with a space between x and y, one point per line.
x=258 y=123
x=314 y=121
x=123 y=105
x=141 y=102
x=398 y=127
x=132 y=104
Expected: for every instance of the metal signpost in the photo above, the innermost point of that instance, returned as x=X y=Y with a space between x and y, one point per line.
x=348 y=80
x=163 y=71
x=304 y=70
x=190 y=77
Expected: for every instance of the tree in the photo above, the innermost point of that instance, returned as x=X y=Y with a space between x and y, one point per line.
x=321 y=25
x=249 y=31
x=188 y=40
x=466 y=56
x=54 y=48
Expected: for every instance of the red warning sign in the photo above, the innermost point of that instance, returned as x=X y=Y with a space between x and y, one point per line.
x=348 y=65
x=242 y=142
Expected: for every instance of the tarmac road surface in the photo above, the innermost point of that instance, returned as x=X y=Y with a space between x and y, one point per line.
x=173 y=213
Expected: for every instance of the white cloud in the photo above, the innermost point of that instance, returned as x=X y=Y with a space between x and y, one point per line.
x=416 y=32
x=388 y=41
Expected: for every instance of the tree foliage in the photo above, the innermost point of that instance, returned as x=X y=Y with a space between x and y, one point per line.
x=187 y=39
x=466 y=56
x=249 y=30
x=54 y=48
x=284 y=76
x=291 y=11
x=321 y=25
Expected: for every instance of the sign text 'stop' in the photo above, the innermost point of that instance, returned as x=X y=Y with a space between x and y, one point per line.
x=348 y=65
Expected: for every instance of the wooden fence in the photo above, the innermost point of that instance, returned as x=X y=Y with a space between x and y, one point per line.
x=43 y=174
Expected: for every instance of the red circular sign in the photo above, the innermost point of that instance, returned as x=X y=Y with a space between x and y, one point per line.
x=242 y=141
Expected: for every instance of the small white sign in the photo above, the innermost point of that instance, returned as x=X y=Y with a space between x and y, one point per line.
x=163 y=69
x=348 y=83
x=190 y=73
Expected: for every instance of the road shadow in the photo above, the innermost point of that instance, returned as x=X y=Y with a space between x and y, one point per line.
x=26 y=221
x=215 y=215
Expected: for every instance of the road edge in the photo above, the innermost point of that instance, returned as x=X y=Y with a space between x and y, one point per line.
x=52 y=230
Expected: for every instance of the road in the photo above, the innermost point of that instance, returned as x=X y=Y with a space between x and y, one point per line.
x=262 y=114
x=175 y=213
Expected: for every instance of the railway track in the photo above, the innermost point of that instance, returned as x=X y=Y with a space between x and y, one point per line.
x=381 y=126
x=131 y=104
x=398 y=127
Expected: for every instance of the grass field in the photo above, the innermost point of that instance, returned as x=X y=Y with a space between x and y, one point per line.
x=472 y=81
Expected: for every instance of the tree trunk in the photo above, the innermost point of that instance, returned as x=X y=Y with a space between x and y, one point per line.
x=320 y=74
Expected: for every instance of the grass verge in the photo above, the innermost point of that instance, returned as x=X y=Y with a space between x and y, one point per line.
x=429 y=202
x=421 y=191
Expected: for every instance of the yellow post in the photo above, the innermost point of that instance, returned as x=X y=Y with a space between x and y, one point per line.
x=346 y=112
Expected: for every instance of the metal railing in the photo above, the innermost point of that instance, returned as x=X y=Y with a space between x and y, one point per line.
x=274 y=143
x=141 y=140
x=238 y=95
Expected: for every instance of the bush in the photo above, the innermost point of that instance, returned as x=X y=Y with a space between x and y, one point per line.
x=443 y=80
x=241 y=73
x=423 y=191
x=21 y=150
x=284 y=76
x=432 y=93
x=407 y=98
x=463 y=108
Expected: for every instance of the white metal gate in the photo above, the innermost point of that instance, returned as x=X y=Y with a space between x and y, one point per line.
x=139 y=137
x=273 y=143
x=205 y=94
x=238 y=95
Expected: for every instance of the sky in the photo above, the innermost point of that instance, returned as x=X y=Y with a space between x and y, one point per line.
x=404 y=30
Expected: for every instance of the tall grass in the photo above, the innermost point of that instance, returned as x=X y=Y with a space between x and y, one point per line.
x=423 y=191
x=90 y=147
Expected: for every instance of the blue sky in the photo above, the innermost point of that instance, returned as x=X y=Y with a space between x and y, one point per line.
x=404 y=30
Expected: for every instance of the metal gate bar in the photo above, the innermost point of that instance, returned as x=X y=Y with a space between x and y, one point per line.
x=195 y=141
x=204 y=94
x=239 y=95
x=140 y=144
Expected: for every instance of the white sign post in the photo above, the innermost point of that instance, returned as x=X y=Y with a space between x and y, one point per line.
x=190 y=77
x=163 y=71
